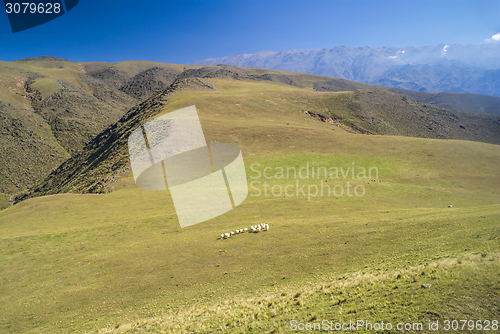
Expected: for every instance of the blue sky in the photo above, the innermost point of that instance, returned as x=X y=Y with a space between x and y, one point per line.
x=184 y=31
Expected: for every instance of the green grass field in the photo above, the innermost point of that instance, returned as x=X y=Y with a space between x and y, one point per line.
x=119 y=262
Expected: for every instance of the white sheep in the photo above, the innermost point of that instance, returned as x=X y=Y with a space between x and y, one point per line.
x=253 y=229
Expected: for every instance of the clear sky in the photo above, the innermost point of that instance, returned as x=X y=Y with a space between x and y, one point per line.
x=183 y=31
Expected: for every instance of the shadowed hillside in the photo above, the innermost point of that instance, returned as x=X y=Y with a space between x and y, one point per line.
x=28 y=148
x=148 y=82
x=386 y=113
x=471 y=103
x=51 y=107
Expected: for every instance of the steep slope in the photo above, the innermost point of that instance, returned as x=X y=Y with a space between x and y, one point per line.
x=54 y=103
x=28 y=148
x=73 y=101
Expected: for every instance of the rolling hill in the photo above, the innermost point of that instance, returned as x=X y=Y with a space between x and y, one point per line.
x=116 y=261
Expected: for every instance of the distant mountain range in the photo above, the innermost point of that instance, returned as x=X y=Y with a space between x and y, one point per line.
x=441 y=68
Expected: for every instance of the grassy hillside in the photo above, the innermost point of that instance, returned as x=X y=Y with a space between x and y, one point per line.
x=76 y=101
x=119 y=262
x=373 y=112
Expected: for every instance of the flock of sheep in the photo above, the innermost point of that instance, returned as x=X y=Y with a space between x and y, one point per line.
x=252 y=229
